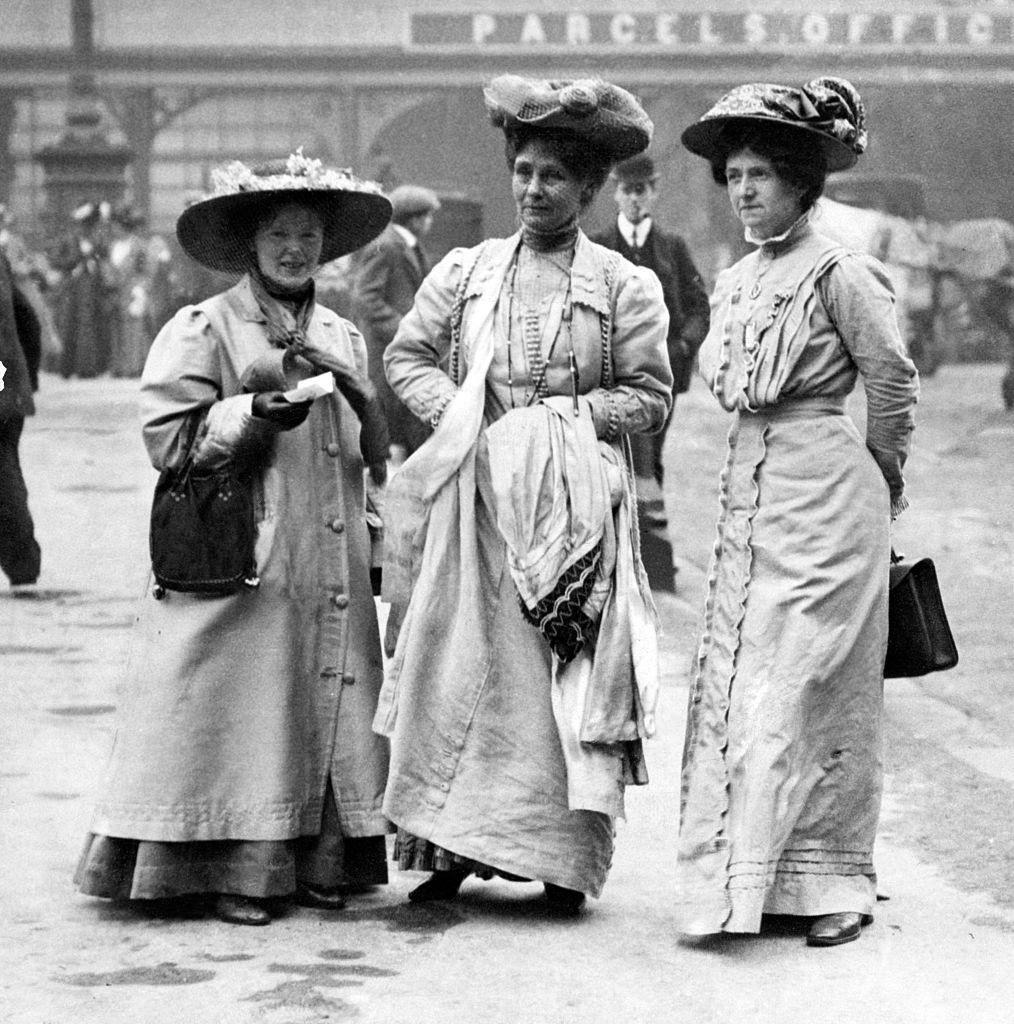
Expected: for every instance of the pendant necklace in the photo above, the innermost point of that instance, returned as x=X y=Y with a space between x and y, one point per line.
x=535 y=388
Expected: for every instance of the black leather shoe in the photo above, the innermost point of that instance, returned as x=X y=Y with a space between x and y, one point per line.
x=563 y=901
x=441 y=885
x=837 y=929
x=321 y=899
x=241 y=910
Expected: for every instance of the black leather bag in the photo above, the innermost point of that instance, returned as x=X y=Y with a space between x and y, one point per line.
x=919 y=638
x=203 y=531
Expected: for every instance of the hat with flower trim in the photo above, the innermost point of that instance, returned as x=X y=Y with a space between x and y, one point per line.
x=606 y=115
x=829 y=109
x=217 y=231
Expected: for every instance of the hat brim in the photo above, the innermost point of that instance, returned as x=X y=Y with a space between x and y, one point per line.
x=702 y=137
x=217 y=232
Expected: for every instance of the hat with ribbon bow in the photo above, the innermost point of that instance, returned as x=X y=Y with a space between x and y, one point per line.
x=609 y=117
x=829 y=109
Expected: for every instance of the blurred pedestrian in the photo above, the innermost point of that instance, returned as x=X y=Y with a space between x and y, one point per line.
x=20 y=351
x=637 y=236
x=34 y=278
x=335 y=287
x=525 y=670
x=783 y=768
x=388 y=274
x=245 y=767
x=189 y=282
x=87 y=309
x=135 y=259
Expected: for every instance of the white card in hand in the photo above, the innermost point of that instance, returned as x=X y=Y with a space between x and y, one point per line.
x=311 y=388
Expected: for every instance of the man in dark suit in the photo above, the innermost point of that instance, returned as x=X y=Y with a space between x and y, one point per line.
x=637 y=237
x=20 y=351
x=388 y=274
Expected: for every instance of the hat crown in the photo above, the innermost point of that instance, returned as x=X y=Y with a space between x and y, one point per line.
x=829 y=108
x=636 y=169
x=408 y=200
x=296 y=172
x=606 y=115
x=830 y=105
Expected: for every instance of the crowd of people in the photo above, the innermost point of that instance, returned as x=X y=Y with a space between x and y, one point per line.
x=270 y=739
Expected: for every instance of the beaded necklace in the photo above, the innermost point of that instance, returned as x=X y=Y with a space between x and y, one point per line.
x=532 y=342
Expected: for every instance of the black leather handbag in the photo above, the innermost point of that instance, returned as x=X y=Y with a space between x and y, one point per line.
x=203 y=531
x=919 y=638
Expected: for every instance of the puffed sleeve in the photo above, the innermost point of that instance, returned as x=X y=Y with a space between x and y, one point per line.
x=641 y=397
x=416 y=360
x=859 y=298
x=181 y=398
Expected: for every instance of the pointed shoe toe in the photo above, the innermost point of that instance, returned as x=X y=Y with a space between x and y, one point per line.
x=320 y=899
x=241 y=910
x=837 y=929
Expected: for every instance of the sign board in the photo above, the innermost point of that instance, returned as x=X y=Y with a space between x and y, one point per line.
x=746 y=30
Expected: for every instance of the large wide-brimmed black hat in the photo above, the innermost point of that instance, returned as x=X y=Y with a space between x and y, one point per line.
x=830 y=110
x=609 y=117
x=217 y=231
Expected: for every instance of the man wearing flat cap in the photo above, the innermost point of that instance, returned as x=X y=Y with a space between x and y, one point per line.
x=388 y=274
x=637 y=237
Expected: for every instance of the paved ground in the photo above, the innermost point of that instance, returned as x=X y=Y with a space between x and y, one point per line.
x=939 y=952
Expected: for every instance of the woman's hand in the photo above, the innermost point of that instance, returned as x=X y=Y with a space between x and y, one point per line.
x=276 y=408
x=374 y=442
x=359 y=391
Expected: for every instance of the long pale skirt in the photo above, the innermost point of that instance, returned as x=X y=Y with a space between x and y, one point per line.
x=782 y=765
x=477 y=767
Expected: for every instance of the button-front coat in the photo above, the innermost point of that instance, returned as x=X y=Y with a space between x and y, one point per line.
x=237 y=709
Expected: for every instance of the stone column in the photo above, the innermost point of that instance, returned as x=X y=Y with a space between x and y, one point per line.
x=84 y=165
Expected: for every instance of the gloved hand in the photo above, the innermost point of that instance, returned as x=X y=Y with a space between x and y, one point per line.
x=374 y=441
x=359 y=391
x=274 y=407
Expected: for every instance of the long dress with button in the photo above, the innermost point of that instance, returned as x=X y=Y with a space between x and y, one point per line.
x=782 y=768
x=244 y=757
x=478 y=774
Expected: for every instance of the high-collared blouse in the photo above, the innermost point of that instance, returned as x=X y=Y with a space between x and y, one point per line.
x=803 y=317
x=601 y=289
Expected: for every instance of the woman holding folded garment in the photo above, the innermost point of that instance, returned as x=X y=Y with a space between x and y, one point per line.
x=244 y=768
x=782 y=769
x=525 y=668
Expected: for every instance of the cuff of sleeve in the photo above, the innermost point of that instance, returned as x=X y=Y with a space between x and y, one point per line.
x=231 y=430
x=890 y=464
x=277 y=370
x=604 y=413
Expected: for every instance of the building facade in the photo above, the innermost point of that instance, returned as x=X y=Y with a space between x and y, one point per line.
x=392 y=88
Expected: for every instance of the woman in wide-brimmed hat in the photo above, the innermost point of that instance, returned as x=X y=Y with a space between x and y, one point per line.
x=244 y=766
x=525 y=668
x=782 y=768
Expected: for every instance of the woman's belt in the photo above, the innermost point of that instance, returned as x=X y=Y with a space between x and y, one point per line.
x=798 y=408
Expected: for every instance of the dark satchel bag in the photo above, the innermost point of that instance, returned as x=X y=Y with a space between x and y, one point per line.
x=919 y=639
x=202 y=531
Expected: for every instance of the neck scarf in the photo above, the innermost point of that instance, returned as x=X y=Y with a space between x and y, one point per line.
x=288 y=315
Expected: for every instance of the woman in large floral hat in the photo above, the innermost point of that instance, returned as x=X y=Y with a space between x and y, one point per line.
x=525 y=669
x=782 y=767
x=244 y=765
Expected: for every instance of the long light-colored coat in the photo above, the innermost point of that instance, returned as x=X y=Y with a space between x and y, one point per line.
x=238 y=708
x=478 y=766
